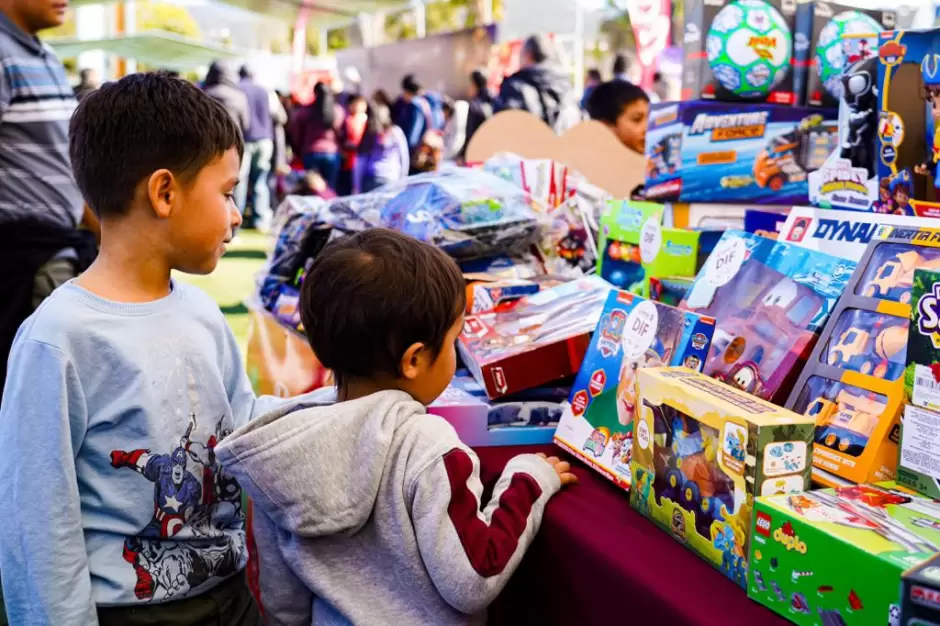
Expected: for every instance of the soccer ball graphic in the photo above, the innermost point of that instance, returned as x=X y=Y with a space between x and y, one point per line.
x=749 y=46
x=834 y=54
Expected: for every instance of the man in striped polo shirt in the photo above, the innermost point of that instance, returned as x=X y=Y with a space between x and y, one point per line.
x=41 y=208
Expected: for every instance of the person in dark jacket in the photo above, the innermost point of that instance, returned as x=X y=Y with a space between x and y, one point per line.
x=541 y=87
x=482 y=106
x=221 y=86
x=316 y=131
x=415 y=116
x=259 y=150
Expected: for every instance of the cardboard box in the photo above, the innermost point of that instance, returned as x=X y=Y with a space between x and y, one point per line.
x=740 y=50
x=728 y=152
x=636 y=248
x=854 y=381
x=541 y=339
x=843 y=233
x=838 y=36
x=920 y=594
x=764 y=223
x=633 y=333
x=702 y=451
x=770 y=300
x=835 y=556
x=528 y=418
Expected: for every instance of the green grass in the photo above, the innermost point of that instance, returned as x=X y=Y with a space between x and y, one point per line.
x=234 y=280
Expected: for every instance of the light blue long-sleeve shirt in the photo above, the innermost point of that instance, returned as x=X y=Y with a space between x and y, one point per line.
x=110 y=492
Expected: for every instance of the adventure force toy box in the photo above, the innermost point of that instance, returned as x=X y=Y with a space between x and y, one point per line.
x=702 y=451
x=770 y=300
x=835 y=556
x=725 y=152
x=633 y=333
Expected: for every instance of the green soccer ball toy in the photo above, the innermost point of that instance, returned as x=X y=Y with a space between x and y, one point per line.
x=749 y=46
x=834 y=54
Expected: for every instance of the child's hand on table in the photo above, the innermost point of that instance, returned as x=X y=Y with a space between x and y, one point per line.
x=562 y=468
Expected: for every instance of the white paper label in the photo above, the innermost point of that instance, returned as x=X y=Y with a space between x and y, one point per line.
x=643 y=435
x=725 y=261
x=926 y=389
x=651 y=240
x=640 y=330
x=920 y=441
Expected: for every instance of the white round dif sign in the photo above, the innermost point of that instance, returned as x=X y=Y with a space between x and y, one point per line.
x=651 y=240
x=725 y=261
x=640 y=330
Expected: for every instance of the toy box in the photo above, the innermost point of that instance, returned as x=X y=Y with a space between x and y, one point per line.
x=835 y=556
x=770 y=300
x=920 y=594
x=526 y=418
x=844 y=233
x=740 y=50
x=485 y=293
x=853 y=383
x=541 y=339
x=764 y=223
x=633 y=333
x=725 y=152
x=702 y=451
x=636 y=248
x=908 y=135
x=838 y=37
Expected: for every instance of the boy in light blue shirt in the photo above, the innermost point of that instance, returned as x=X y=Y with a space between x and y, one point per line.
x=113 y=507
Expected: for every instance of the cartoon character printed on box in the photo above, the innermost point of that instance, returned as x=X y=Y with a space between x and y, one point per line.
x=597 y=442
x=860 y=95
x=930 y=74
x=885 y=204
x=902 y=190
x=182 y=505
x=656 y=356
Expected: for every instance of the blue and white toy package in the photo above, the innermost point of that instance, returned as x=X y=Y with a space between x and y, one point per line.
x=726 y=152
x=633 y=333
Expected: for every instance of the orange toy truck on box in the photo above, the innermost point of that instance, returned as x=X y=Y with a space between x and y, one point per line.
x=853 y=384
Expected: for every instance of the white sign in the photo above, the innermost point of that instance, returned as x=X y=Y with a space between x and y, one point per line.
x=725 y=261
x=651 y=240
x=920 y=441
x=640 y=330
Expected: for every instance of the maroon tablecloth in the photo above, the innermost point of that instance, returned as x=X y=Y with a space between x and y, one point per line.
x=596 y=561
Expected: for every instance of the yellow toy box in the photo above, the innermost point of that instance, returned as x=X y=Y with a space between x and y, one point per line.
x=702 y=451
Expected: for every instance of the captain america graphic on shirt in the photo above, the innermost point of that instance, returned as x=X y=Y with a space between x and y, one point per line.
x=182 y=503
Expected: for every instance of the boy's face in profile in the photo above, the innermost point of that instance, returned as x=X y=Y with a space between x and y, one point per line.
x=432 y=376
x=205 y=217
x=631 y=125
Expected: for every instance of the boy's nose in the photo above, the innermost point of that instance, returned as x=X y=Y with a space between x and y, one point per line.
x=236 y=216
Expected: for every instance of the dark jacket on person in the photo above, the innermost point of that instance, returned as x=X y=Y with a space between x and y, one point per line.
x=415 y=119
x=261 y=125
x=481 y=109
x=544 y=90
x=221 y=86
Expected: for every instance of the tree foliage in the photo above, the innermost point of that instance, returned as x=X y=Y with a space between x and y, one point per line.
x=166 y=16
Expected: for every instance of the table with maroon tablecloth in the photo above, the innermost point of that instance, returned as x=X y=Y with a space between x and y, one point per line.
x=596 y=561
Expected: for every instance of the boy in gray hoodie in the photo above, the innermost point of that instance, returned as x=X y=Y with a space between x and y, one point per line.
x=367 y=510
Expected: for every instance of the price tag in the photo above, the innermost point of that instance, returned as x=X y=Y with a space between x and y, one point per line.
x=640 y=330
x=651 y=239
x=725 y=261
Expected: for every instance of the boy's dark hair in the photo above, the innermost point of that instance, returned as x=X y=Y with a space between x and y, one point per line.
x=370 y=296
x=410 y=84
x=608 y=100
x=126 y=130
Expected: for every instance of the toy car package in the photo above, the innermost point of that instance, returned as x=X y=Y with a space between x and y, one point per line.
x=853 y=383
x=633 y=333
x=920 y=594
x=541 y=339
x=835 y=556
x=770 y=300
x=702 y=451
x=735 y=152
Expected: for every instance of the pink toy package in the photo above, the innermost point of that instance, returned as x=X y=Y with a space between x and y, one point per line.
x=770 y=300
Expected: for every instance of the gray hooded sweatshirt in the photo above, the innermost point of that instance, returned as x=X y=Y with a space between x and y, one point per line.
x=369 y=512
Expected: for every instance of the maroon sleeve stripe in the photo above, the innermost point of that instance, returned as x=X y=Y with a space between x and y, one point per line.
x=488 y=548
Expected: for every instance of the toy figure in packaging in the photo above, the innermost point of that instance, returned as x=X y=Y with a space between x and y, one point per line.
x=860 y=96
x=930 y=74
x=770 y=300
x=633 y=333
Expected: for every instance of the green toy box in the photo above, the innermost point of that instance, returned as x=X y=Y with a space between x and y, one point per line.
x=835 y=556
x=702 y=451
x=636 y=248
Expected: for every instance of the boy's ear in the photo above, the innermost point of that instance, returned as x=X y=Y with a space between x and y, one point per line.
x=161 y=189
x=411 y=361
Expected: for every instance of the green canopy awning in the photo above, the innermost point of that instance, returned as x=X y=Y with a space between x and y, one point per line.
x=155 y=48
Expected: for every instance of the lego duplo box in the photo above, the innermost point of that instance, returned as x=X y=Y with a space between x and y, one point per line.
x=636 y=248
x=741 y=50
x=853 y=382
x=920 y=594
x=727 y=152
x=835 y=556
x=633 y=333
x=702 y=451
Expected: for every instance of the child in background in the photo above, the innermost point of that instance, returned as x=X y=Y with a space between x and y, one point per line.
x=113 y=507
x=354 y=127
x=624 y=108
x=383 y=152
x=368 y=511
x=430 y=153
